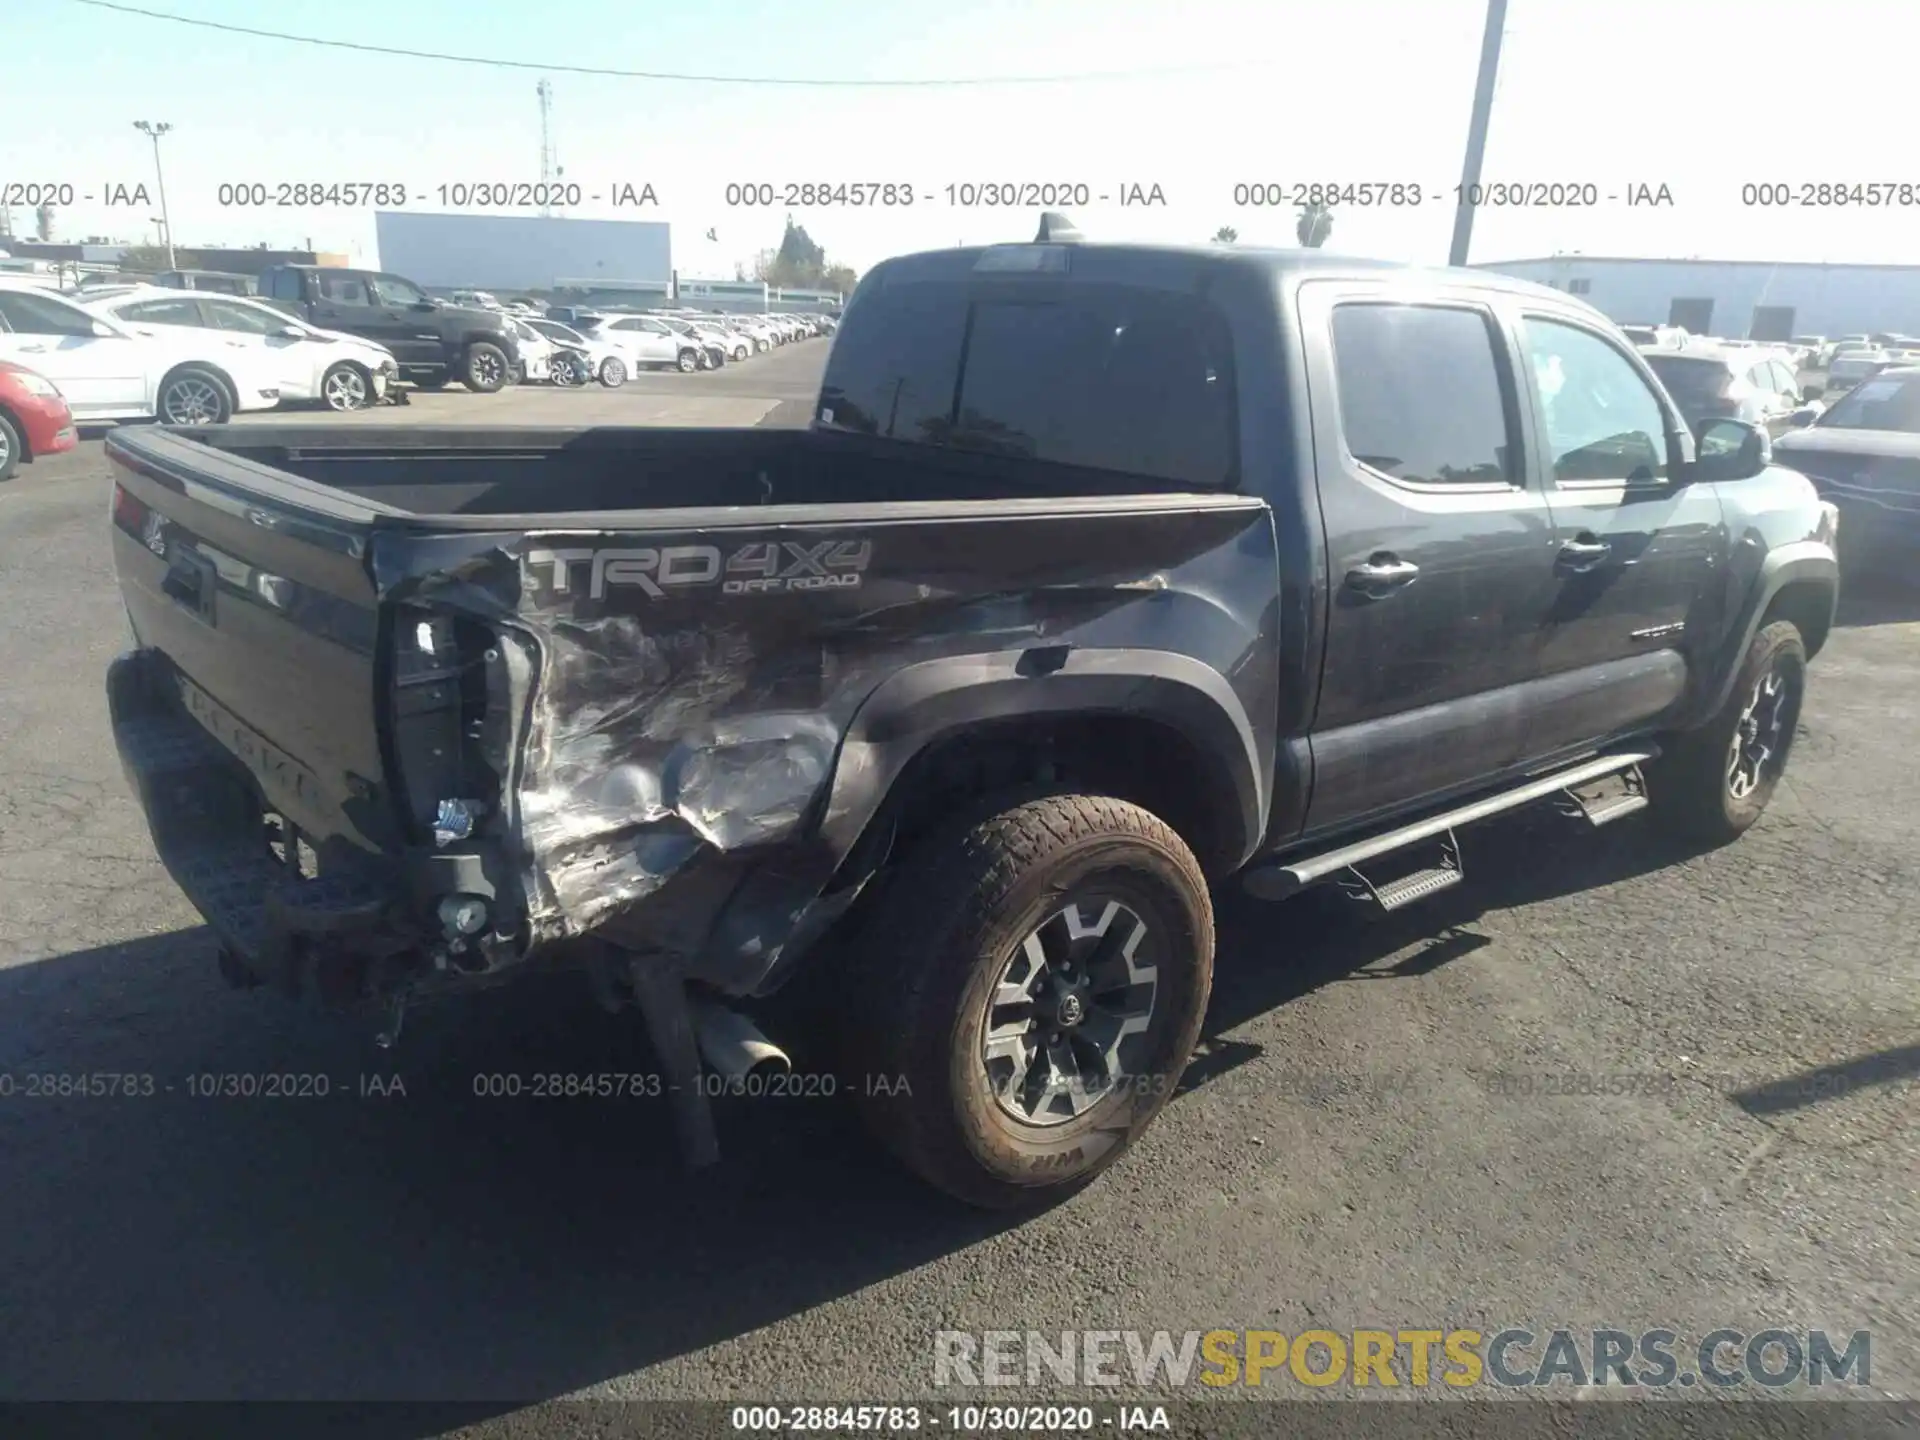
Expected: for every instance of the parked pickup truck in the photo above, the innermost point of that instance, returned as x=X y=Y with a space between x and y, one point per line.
x=1105 y=576
x=433 y=342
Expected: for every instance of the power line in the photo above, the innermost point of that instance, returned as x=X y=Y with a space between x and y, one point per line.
x=808 y=82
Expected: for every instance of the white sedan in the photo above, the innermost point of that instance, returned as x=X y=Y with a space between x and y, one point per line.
x=108 y=372
x=599 y=351
x=344 y=372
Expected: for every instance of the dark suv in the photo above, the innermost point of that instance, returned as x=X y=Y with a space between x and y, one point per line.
x=433 y=342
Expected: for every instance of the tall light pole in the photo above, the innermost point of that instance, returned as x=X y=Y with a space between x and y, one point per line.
x=1477 y=130
x=153 y=132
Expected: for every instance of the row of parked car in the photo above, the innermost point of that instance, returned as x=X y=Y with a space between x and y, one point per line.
x=1845 y=413
x=1763 y=382
x=345 y=339
x=610 y=345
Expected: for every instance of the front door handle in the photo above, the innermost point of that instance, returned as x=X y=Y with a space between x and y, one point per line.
x=1380 y=574
x=1580 y=556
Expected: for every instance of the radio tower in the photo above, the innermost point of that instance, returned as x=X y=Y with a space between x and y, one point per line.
x=549 y=169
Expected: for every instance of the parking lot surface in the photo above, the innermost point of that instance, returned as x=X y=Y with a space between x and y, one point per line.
x=1384 y=1126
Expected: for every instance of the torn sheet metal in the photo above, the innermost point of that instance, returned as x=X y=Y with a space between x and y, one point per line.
x=686 y=701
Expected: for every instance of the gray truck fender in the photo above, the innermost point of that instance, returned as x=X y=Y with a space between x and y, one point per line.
x=925 y=703
x=1784 y=565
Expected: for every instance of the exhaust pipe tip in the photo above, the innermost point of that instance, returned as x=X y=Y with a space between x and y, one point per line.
x=734 y=1047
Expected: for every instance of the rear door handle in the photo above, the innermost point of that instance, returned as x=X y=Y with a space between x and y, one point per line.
x=1580 y=556
x=1380 y=574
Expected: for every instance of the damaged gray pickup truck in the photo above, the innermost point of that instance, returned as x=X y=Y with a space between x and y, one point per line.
x=1104 y=575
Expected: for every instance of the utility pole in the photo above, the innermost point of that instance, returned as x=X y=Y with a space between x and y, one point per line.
x=1477 y=130
x=549 y=170
x=153 y=132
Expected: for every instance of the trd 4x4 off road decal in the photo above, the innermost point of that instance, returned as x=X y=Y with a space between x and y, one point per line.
x=765 y=567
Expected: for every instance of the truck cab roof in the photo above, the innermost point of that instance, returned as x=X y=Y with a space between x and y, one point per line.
x=1126 y=263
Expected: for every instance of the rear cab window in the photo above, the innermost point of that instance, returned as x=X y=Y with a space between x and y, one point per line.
x=1135 y=380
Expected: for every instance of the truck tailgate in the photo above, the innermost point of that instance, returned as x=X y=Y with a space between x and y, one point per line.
x=253 y=586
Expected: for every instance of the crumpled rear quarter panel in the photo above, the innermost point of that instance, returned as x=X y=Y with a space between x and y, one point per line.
x=690 y=691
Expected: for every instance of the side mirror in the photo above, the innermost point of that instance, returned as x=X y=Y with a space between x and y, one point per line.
x=291 y=332
x=104 y=331
x=1730 y=450
x=1803 y=417
x=423 y=305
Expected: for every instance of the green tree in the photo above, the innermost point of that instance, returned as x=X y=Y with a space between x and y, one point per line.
x=143 y=259
x=1314 y=226
x=801 y=264
x=1225 y=235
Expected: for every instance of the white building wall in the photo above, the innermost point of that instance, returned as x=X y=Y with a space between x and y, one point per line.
x=520 y=252
x=1826 y=299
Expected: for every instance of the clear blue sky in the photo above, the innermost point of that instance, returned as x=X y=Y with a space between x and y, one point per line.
x=1699 y=95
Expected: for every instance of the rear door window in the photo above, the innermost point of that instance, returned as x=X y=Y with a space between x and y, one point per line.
x=1136 y=381
x=29 y=314
x=165 y=312
x=285 y=285
x=1421 y=398
x=344 y=290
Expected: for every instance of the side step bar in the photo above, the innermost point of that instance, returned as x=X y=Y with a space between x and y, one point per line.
x=1445 y=873
x=1276 y=882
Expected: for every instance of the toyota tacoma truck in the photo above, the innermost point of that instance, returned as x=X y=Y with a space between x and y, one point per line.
x=1105 y=576
x=433 y=342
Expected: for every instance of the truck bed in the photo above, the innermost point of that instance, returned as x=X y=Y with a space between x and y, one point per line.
x=643 y=654
x=433 y=472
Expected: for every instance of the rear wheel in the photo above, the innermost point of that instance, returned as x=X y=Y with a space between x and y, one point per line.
x=613 y=373
x=1031 y=984
x=1714 y=782
x=193 y=395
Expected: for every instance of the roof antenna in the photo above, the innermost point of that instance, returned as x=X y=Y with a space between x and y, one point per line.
x=1056 y=229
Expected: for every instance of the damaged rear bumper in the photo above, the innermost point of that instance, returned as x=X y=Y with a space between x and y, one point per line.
x=343 y=924
x=338 y=924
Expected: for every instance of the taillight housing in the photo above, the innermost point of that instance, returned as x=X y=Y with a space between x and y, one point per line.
x=437 y=667
x=128 y=512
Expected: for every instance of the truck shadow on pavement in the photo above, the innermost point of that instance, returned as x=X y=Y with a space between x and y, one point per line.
x=1878 y=599
x=1273 y=953
x=408 y=1235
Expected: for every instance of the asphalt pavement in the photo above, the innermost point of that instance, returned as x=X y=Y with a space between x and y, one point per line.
x=1384 y=1127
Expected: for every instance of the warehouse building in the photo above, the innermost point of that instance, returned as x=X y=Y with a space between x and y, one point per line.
x=515 y=254
x=1740 y=299
x=733 y=297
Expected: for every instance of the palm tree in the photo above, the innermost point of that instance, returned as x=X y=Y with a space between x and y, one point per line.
x=1225 y=235
x=1314 y=225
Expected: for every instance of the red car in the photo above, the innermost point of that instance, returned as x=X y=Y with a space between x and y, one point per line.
x=34 y=419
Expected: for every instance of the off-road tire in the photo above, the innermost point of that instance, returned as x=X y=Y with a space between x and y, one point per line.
x=484 y=368
x=942 y=930
x=1688 y=787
